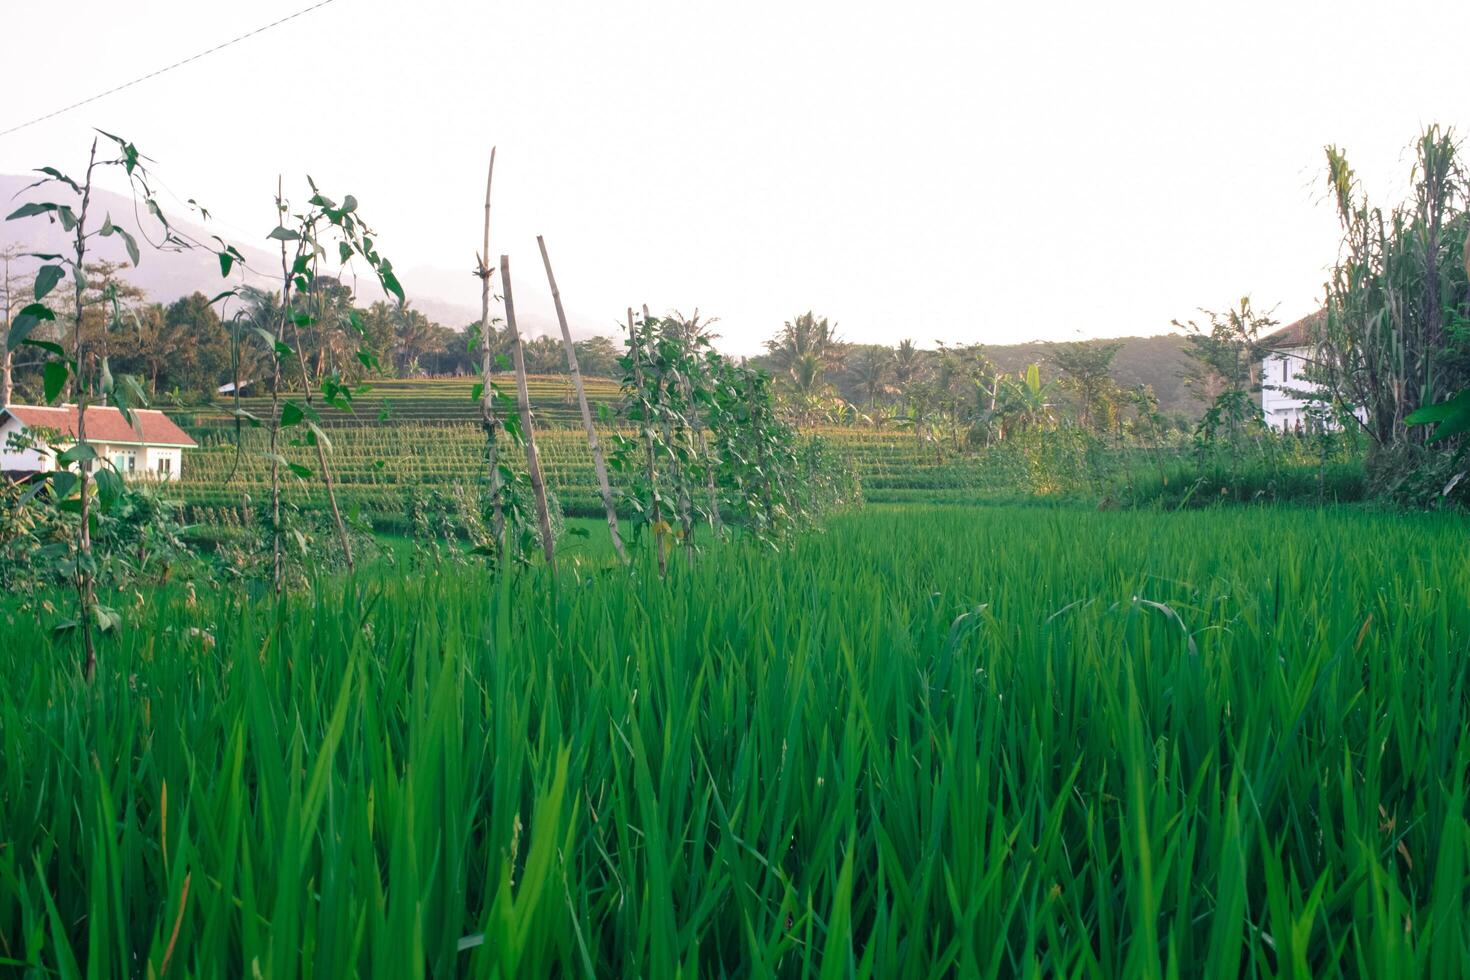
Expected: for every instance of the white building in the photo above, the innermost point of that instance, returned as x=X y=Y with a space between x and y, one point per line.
x=1285 y=390
x=1283 y=381
x=150 y=448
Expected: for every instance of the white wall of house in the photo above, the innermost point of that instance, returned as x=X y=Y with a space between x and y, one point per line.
x=19 y=460
x=1283 y=383
x=162 y=463
x=1281 y=377
x=132 y=461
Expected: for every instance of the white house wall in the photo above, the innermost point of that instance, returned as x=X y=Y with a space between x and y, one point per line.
x=153 y=457
x=146 y=459
x=20 y=461
x=1281 y=374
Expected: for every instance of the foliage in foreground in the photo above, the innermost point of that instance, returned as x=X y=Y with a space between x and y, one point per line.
x=975 y=741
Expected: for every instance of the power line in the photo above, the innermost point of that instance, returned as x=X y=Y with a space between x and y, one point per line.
x=168 y=68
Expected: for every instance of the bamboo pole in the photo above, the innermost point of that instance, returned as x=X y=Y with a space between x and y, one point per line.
x=86 y=594
x=647 y=433
x=681 y=484
x=716 y=522
x=598 y=463
x=317 y=438
x=488 y=419
x=533 y=461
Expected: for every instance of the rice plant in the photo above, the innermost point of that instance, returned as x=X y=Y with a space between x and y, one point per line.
x=927 y=742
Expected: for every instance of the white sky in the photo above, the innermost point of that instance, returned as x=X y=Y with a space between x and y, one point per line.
x=970 y=172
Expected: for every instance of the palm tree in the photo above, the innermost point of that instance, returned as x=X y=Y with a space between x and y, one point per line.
x=804 y=336
x=871 y=371
x=908 y=368
x=906 y=363
x=413 y=336
x=802 y=353
x=689 y=328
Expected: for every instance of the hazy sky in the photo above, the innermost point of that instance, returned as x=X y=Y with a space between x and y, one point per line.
x=965 y=171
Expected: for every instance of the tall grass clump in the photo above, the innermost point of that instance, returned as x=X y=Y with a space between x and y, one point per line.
x=926 y=742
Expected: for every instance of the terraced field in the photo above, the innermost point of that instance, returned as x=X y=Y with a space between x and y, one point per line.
x=379 y=469
x=423 y=436
x=425 y=401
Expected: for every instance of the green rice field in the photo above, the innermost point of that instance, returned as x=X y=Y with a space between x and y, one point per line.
x=379 y=469
x=924 y=742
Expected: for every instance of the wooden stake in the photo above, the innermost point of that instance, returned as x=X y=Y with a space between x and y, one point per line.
x=659 y=528
x=533 y=462
x=488 y=419
x=681 y=489
x=597 y=461
x=716 y=522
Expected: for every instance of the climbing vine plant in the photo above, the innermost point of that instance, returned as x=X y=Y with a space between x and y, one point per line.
x=83 y=484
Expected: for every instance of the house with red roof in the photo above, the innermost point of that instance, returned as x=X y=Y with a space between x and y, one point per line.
x=149 y=447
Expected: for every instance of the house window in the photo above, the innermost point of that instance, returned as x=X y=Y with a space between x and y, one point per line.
x=165 y=465
x=1286 y=369
x=125 y=462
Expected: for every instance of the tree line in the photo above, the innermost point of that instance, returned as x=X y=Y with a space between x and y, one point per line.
x=185 y=351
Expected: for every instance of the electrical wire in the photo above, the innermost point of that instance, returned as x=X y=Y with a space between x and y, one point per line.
x=168 y=68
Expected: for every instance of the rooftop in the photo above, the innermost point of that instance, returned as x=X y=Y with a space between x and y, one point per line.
x=1298 y=334
x=104 y=424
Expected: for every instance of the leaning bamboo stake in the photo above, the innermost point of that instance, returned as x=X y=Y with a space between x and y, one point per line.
x=597 y=461
x=487 y=366
x=533 y=462
x=644 y=424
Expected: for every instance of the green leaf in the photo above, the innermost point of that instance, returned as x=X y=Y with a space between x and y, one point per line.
x=226 y=262
x=55 y=174
x=132 y=247
x=344 y=252
x=54 y=379
x=27 y=320
x=283 y=234
x=390 y=282
x=291 y=414
x=46 y=279
x=64 y=482
x=318 y=436
x=109 y=488
x=1452 y=416
x=82 y=452
x=31 y=210
x=107 y=618
x=46 y=345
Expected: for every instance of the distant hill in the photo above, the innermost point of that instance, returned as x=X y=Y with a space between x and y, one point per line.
x=449 y=297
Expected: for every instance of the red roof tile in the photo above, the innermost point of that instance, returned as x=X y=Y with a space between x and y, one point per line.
x=104 y=424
